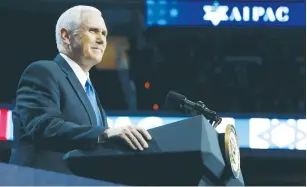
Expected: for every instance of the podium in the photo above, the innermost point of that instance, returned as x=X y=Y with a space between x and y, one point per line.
x=13 y=175
x=188 y=152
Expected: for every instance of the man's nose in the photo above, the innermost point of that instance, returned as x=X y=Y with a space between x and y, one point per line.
x=99 y=38
x=99 y=41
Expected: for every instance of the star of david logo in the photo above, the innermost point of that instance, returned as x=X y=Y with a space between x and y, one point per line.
x=215 y=14
x=283 y=135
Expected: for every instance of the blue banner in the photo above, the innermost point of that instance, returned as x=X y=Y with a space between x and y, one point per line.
x=224 y=13
x=253 y=132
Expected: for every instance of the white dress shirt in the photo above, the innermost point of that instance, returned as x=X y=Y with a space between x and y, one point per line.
x=81 y=75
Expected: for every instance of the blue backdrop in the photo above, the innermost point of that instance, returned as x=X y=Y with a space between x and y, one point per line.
x=225 y=13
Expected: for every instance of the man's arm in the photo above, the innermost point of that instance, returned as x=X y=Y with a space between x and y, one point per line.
x=38 y=106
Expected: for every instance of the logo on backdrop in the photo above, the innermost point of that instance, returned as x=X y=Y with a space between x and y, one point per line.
x=217 y=13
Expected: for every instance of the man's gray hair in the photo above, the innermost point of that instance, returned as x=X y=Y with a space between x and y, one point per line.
x=71 y=20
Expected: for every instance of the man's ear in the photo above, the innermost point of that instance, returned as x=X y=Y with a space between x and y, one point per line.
x=65 y=36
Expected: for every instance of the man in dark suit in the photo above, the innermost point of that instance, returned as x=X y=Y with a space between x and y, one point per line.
x=56 y=105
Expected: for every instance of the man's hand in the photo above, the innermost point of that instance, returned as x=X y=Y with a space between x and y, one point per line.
x=136 y=137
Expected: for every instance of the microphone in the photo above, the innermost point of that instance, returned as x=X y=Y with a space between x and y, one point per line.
x=179 y=101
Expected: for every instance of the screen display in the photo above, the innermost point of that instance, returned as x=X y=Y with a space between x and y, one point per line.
x=224 y=13
x=256 y=133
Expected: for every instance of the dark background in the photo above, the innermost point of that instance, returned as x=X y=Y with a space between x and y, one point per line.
x=192 y=61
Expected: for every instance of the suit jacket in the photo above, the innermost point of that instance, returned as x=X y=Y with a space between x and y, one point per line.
x=52 y=116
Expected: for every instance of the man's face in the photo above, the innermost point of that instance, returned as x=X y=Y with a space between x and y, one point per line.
x=88 y=42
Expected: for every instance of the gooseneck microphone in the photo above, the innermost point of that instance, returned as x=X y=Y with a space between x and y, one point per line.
x=179 y=101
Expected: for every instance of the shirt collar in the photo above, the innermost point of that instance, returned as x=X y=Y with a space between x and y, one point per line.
x=81 y=75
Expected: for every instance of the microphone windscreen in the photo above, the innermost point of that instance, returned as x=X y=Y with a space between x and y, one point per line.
x=174 y=99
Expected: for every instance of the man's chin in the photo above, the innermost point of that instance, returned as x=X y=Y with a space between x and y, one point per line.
x=95 y=60
x=98 y=60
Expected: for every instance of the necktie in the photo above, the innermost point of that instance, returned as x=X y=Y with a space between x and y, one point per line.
x=89 y=89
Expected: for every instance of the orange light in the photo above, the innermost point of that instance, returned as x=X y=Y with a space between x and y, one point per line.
x=147 y=85
x=155 y=107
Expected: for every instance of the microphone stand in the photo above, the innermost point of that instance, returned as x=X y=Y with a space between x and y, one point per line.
x=214 y=120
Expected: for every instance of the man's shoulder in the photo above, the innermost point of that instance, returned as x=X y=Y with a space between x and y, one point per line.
x=43 y=69
x=44 y=64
